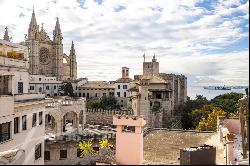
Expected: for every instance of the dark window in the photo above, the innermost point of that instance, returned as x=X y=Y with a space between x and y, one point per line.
x=47 y=87
x=79 y=152
x=121 y=105
x=24 y=122
x=80 y=95
x=31 y=87
x=118 y=94
x=40 y=118
x=54 y=86
x=76 y=87
x=121 y=100
x=158 y=96
x=83 y=95
x=40 y=79
x=4 y=131
x=63 y=154
x=40 y=89
x=46 y=155
x=125 y=86
x=96 y=95
x=16 y=125
x=38 y=151
x=125 y=94
x=20 y=87
x=104 y=94
x=118 y=86
x=87 y=95
x=34 y=120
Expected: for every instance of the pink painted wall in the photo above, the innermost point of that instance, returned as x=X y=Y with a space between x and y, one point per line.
x=233 y=125
x=129 y=146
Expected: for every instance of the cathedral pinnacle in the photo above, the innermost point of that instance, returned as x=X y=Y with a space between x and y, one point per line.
x=72 y=50
x=6 y=35
x=57 y=34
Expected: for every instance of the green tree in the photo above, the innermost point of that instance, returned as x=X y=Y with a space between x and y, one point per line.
x=190 y=105
x=228 y=102
x=67 y=89
x=210 y=123
x=197 y=114
x=109 y=102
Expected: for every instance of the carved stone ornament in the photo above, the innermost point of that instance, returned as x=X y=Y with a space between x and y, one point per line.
x=44 y=55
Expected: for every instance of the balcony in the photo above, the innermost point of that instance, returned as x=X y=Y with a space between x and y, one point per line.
x=11 y=62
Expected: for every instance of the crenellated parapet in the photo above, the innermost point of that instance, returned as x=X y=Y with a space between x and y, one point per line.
x=108 y=112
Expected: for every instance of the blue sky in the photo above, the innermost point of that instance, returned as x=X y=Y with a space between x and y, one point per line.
x=207 y=40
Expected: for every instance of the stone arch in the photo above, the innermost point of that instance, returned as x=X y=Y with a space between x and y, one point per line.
x=70 y=121
x=50 y=123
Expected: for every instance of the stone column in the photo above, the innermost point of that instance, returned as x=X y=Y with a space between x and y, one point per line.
x=230 y=142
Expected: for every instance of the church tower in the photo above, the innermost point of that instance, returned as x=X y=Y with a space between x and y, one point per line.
x=58 y=51
x=33 y=44
x=73 y=63
x=6 y=35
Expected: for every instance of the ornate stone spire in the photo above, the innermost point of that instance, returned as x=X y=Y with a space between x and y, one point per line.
x=33 y=27
x=6 y=35
x=154 y=60
x=72 y=50
x=57 y=34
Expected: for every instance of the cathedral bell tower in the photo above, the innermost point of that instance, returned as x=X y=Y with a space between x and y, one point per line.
x=73 y=63
x=33 y=44
x=58 y=51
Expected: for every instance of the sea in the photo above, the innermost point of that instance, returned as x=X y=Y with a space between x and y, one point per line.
x=192 y=91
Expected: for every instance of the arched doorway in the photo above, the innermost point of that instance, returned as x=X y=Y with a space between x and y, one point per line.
x=50 y=124
x=70 y=122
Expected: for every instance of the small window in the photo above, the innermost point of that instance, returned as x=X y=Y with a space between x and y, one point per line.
x=63 y=154
x=158 y=96
x=20 y=87
x=80 y=94
x=118 y=94
x=118 y=86
x=125 y=94
x=34 y=120
x=5 y=131
x=38 y=151
x=46 y=155
x=47 y=87
x=76 y=87
x=31 y=87
x=40 y=118
x=54 y=86
x=83 y=95
x=125 y=86
x=40 y=79
x=40 y=89
x=104 y=94
x=16 y=125
x=96 y=95
x=79 y=152
x=24 y=122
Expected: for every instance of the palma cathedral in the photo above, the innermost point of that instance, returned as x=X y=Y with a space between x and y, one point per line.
x=46 y=56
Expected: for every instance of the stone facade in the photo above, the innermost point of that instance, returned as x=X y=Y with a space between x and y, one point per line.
x=104 y=117
x=46 y=56
x=157 y=96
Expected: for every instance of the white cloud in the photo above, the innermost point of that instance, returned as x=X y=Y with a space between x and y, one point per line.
x=181 y=34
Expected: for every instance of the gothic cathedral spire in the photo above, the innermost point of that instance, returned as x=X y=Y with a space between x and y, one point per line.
x=33 y=27
x=73 y=63
x=6 y=35
x=57 y=34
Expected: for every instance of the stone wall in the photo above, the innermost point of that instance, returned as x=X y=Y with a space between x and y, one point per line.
x=105 y=117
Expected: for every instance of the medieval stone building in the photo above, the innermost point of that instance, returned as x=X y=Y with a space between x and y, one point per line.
x=157 y=96
x=46 y=56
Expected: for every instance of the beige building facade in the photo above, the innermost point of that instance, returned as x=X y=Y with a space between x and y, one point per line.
x=22 y=114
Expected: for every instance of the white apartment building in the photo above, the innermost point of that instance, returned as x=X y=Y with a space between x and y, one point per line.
x=50 y=86
x=121 y=87
x=22 y=114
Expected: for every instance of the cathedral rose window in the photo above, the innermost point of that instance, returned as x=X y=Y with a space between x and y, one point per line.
x=44 y=55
